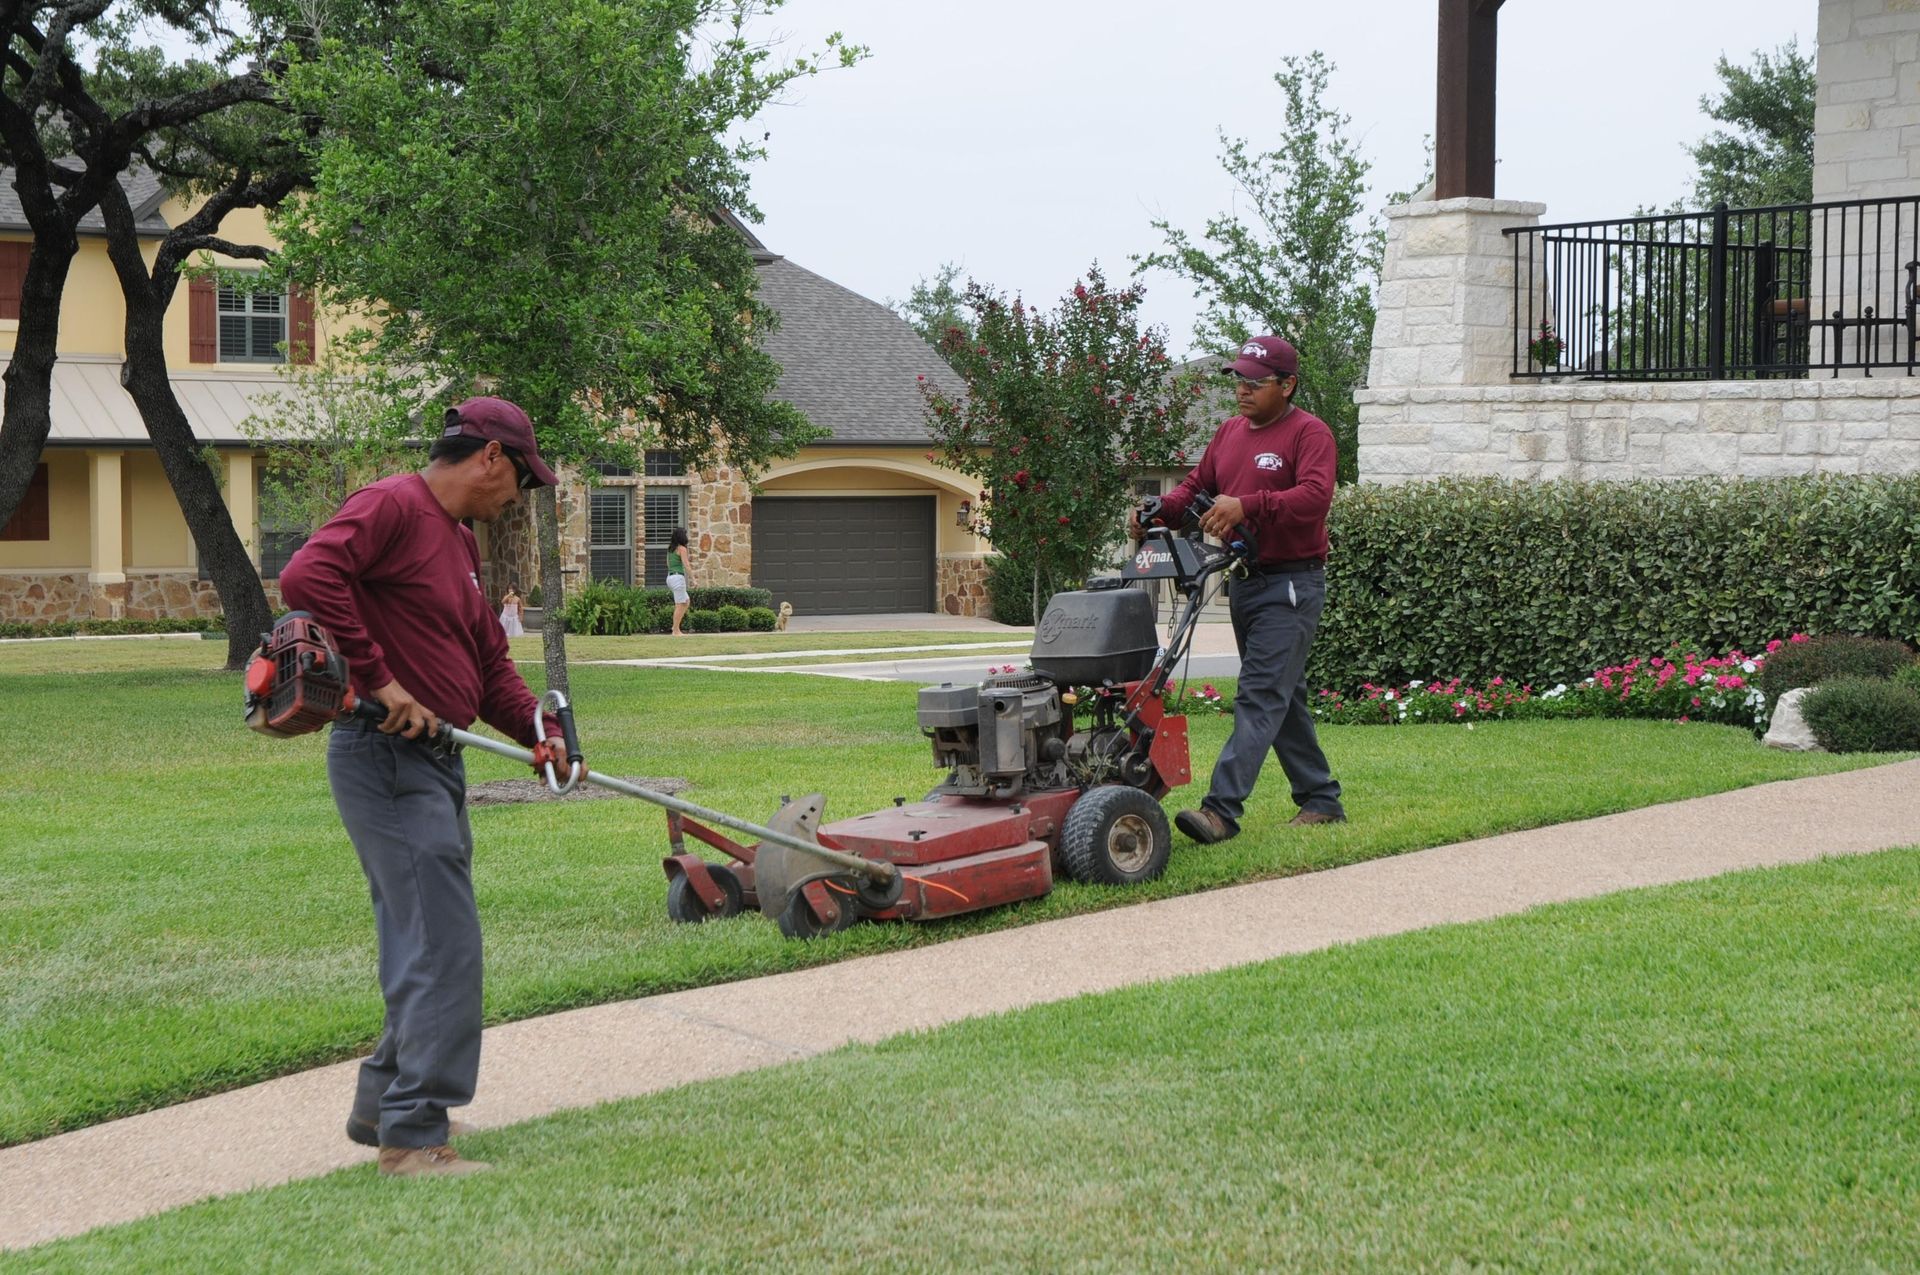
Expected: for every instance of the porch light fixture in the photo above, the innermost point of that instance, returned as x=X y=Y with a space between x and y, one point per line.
x=964 y=516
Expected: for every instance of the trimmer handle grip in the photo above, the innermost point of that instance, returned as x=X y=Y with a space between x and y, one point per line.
x=372 y=710
x=1240 y=541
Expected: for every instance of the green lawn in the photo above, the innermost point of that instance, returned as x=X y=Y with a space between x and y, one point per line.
x=1711 y=1076
x=180 y=912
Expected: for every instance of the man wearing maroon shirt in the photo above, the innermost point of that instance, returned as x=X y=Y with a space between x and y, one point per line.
x=395 y=578
x=1272 y=468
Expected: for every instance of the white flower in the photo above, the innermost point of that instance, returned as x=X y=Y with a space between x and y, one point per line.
x=1709 y=678
x=1390 y=695
x=1414 y=685
x=1469 y=725
x=1749 y=666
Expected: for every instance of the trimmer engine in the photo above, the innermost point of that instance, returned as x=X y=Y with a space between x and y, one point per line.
x=297 y=681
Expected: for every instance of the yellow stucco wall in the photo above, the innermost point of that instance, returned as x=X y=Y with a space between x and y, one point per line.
x=66 y=548
x=154 y=534
x=156 y=531
x=92 y=315
x=880 y=471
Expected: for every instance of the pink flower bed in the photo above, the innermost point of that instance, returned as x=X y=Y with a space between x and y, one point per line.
x=1678 y=686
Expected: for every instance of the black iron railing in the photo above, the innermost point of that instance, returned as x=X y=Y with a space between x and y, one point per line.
x=1734 y=293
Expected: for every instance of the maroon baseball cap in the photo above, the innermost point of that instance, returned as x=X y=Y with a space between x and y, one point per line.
x=1264 y=356
x=505 y=424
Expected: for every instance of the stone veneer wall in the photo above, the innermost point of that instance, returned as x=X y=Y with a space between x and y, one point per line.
x=61 y=596
x=1593 y=430
x=961 y=584
x=719 y=523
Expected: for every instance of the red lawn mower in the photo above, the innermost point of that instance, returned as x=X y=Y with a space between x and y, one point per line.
x=1040 y=776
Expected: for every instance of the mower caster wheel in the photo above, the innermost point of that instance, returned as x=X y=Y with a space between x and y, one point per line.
x=1115 y=835
x=797 y=920
x=687 y=907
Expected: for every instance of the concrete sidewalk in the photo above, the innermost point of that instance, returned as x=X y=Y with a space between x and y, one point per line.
x=291 y=1128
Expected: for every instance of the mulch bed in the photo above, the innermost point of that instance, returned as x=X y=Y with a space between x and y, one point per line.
x=508 y=792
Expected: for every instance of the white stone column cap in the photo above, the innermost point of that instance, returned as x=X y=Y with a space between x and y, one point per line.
x=1468 y=204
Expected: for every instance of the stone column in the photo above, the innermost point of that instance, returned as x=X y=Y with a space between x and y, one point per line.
x=1446 y=307
x=1866 y=145
x=106 y=564
x=1446 y=319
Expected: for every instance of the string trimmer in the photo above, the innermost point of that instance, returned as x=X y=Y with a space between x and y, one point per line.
x=298 y=682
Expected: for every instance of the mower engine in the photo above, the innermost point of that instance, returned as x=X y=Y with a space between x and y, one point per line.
x=1016 y=733
x=297 y=681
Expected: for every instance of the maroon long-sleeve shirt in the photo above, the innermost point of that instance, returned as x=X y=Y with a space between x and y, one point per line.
x=396 y=581
x=1282 y=472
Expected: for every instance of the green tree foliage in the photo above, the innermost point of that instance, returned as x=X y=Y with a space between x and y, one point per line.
x=533 y=196
x=1764 y=155
x=1061 y=410
x=1303 y=263
x=936 y=305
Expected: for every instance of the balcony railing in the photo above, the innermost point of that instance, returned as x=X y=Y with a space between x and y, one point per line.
x=1733 y=293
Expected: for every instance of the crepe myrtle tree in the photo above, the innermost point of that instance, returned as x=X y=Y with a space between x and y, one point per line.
x=1060 y=411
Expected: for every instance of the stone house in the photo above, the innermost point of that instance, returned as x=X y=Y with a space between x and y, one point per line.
x=861 y=521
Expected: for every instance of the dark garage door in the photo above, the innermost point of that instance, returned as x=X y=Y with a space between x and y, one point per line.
x=835 y=555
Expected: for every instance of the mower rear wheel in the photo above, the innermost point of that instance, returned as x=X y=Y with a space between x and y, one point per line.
x=797 y=920
x=685 y=905
x=1115 y=835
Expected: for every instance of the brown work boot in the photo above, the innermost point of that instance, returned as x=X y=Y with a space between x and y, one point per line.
x=1306 y=817
x=1203 y=826
x=408 y=1162
x=367 y=1132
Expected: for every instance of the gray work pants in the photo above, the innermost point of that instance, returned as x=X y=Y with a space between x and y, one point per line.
x=405 y=807
x=1274 y=618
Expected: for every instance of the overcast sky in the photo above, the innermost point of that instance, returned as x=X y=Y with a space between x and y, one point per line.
x=1026 y=139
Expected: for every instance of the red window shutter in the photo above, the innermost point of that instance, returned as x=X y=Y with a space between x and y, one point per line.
x=299 y=326
x=202 y=326
x=13 y=277
x=29 y=521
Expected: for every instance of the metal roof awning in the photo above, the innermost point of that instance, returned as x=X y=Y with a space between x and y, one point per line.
x=91 y=409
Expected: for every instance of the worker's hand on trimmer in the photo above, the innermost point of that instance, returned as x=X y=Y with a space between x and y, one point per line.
x=1226 y=514
x=406 y=716
x=1134 y=529
x=550 y=752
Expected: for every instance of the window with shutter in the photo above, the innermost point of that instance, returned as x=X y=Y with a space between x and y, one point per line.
x=30 y=520
x=610 y=535
x=252 y=326
x=666 y=509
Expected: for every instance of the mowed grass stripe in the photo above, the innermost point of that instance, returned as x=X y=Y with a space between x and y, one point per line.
x=1716 y=1075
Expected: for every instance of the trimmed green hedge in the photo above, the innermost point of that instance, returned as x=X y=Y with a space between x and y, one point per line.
x=605 y=607
x=107 y=628
x=1546 y=582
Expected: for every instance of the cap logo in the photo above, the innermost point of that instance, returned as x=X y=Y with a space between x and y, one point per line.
x=1253 y=350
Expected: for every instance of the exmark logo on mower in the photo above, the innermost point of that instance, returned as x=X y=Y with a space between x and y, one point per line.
x=1054 y=623
x=1147 y=559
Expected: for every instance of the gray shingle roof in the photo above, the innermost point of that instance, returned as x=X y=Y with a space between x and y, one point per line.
x=849 y=363
x=143 y=192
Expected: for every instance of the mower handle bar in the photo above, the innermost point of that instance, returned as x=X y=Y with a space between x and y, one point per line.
x=449 y=737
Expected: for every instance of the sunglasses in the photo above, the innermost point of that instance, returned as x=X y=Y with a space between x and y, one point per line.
x=527 y=481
